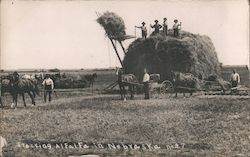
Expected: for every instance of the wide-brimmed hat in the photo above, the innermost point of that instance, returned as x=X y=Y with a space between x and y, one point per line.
x=175 y=20
x=156 y=20
x=15 y=73
x=143 y=23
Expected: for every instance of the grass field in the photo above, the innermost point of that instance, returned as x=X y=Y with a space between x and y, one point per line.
x=204 y=126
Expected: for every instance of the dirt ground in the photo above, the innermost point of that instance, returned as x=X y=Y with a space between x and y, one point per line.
x=194 y=126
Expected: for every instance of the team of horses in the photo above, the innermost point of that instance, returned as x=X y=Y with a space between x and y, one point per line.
x=15 y=85
x=182 y=83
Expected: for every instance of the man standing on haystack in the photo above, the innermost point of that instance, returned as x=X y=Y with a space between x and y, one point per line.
x=143 y=30
x=157 y=27
x=165 y=26
x=48 y=87
x=145 y=82
x=235 y=80
x=176 y=28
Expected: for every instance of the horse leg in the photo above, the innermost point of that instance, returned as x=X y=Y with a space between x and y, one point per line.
x=124 y=92
x=131 y=91
x=32 y=98
x=34 y=94
x=23 y=96
x=14 y=102
x=121 y=91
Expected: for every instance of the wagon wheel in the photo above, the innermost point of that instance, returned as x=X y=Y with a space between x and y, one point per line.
x=167 y=87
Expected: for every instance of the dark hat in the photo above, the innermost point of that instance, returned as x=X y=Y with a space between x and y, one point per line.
x=175 y=20
x=47 y=75
x=143 y=23
x=156 y=20
x=15 y=73
x=164 y=18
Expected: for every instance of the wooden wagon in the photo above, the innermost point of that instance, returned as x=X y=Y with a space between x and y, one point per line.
x=156 y=87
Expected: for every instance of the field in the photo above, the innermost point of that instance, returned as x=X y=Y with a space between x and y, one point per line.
x=213 y=126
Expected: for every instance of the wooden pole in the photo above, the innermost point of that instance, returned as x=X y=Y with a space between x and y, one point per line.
x=116 y=51
x=122 y=47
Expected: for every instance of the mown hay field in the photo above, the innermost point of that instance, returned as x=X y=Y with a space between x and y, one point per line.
x=215 y=126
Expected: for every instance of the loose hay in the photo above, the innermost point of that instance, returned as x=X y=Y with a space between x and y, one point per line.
x=113 y=24
x=189 y=53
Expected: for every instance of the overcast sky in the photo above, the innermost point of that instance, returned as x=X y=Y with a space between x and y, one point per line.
x=65 y=34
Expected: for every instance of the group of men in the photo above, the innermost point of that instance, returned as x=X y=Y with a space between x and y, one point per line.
x=158 y=26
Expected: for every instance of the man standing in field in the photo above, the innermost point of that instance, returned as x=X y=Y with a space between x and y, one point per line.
x=143 y=30
x=145 y=82
x=48 y=87
x=235 y=80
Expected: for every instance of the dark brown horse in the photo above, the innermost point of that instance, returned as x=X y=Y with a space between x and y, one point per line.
x=15 y=85
x=184 y=83
x=126 y=80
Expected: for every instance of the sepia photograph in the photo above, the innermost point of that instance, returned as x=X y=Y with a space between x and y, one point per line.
x=123 y=78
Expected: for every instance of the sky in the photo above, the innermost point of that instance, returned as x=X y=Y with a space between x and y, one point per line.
x=65 y=34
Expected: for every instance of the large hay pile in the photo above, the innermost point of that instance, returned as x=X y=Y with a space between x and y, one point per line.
x=190 y=53
x=113 y=24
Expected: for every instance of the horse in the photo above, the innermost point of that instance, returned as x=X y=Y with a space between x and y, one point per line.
x=184 y=82
x=91 y=79
x=126 y=80
x=16 y=85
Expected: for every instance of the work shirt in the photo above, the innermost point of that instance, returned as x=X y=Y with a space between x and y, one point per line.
x=146 y=78
x=144 y=29
x=157 y=27
x=235 y=77
x=175 y=26
x=165 y=26
x=48 y=82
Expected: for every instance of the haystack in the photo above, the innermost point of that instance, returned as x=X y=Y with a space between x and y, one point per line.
x=189 y=53
x=113 y=24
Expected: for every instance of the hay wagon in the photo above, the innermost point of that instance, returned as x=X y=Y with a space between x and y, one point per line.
x=165 y=87
x=223 y=88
